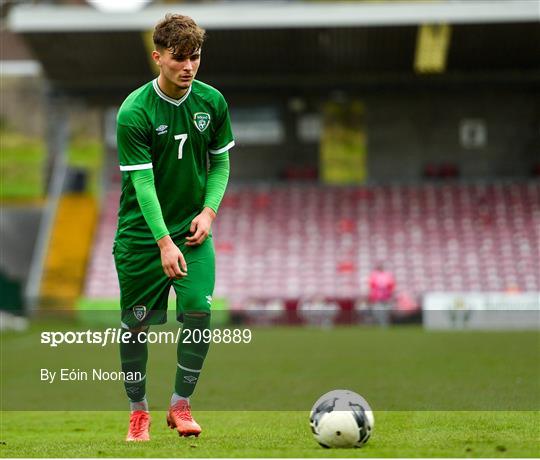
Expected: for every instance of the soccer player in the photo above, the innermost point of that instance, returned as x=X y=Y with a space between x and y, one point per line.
x=174 y=134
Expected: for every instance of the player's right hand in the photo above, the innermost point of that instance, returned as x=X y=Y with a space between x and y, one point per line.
x=172 y=260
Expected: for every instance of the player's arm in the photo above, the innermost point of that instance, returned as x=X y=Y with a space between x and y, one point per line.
x=145 y=190
x=135 y=158
x=218 y=176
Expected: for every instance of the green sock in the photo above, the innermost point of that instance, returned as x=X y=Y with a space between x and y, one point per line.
x=134 y=356
x=190 y=356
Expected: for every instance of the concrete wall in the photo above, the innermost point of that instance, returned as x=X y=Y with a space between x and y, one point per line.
x=23 y=105
x=18 y=232
x=408 y=129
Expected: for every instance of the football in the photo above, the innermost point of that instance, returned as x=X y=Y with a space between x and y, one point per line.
x=341 y=418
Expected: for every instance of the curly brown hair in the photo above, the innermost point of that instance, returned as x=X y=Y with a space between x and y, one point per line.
x=179 y=34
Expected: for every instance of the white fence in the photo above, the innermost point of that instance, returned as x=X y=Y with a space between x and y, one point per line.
x=475 y=310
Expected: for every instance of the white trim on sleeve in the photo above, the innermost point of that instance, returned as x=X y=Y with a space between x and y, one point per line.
x=230 y=145
x=136 y=167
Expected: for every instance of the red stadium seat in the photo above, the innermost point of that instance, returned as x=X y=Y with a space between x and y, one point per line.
x=301 y=240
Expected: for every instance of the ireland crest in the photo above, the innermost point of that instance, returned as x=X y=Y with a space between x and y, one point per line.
x=139 y=311
x=201 y=120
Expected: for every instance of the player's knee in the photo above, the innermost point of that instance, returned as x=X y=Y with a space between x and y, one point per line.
x=197 y=314
x=196 y=320
x=195 y=306
x=197 y=317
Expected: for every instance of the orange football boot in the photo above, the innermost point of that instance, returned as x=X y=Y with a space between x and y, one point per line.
x=179 y=417
x=139 y=424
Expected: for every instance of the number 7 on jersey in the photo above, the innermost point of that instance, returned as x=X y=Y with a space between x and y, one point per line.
x=182 y=138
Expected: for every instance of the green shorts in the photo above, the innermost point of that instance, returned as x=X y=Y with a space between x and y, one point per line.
x=144 y=287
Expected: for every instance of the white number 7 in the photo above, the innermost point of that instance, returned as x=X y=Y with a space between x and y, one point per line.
x=182 y=138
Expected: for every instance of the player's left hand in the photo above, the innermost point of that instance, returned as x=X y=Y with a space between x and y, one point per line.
x=200 y=227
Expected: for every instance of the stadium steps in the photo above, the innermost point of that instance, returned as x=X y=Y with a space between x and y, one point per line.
x=69 y=249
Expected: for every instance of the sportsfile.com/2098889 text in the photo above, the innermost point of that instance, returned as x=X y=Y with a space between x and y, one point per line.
x=114 y=336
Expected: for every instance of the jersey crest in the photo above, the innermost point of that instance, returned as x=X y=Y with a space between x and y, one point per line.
x=139 y=311
x=201 y=120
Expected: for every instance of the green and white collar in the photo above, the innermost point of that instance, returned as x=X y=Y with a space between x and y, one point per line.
x=162 y=95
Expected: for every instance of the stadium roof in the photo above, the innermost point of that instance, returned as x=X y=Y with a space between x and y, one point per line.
x=253 y=15
x=265 y=45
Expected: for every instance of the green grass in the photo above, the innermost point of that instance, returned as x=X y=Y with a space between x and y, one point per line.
x=270 y=434
x=395 y=369
x=442 y=394
x=21 y=166
x=87 y=154
x=218 y=303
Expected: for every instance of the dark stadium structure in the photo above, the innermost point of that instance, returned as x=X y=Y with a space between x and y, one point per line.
x=364 y=52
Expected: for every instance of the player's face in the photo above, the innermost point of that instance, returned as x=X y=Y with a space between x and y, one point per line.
x=179 y=70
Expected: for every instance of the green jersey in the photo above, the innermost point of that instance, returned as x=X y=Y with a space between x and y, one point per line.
x=173 y=137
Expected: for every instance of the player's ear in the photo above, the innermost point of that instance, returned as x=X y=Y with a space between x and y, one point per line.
x=156 y=56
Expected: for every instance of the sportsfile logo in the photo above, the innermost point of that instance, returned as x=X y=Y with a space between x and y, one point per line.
x=162 y=129
x=112 y=336
x=109 y=336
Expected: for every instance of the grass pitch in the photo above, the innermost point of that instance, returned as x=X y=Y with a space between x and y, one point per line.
x=434 y=394
x=270 y=434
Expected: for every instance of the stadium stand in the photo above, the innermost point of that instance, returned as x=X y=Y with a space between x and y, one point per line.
x=64 y=271
x=297 y=240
